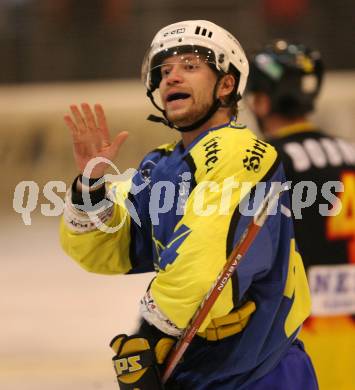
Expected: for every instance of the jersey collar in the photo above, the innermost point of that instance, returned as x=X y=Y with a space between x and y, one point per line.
x=202 y=135
x=300 y=127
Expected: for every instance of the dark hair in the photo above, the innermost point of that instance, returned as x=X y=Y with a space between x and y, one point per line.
x=233 y=98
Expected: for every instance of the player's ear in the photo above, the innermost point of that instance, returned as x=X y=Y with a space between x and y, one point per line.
x=226 y=86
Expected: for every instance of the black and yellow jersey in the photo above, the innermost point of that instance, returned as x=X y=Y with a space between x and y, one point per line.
x=190 y=206
x=327 y=245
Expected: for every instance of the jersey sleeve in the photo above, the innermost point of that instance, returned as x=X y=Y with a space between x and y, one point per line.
x=120 y=241
x=226 y=169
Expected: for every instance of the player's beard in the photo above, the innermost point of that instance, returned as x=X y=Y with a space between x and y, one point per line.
x=191 y=115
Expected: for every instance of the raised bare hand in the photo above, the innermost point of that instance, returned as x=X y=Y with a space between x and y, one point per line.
x=91 y=137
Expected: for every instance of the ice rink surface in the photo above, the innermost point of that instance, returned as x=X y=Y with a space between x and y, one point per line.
x=56 y=319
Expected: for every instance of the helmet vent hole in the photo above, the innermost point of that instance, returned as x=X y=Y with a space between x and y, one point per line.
x=203 y=31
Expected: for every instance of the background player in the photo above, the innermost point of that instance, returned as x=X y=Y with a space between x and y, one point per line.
x=285 y=79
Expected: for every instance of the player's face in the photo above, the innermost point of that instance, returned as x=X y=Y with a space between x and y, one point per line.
x=186 y=88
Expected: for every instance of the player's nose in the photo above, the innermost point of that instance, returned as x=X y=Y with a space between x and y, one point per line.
x=175 y=75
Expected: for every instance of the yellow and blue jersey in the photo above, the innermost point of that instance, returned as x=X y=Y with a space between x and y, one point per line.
x=206 y=194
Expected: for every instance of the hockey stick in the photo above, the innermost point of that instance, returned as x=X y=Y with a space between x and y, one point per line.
x=210 y=298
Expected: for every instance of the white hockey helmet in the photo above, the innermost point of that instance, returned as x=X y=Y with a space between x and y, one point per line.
x=225 y=48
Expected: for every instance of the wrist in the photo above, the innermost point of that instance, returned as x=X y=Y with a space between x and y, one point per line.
x=84 y=183
x=97 y=192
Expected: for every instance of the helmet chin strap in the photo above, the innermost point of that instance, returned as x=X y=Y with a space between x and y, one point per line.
x=214 y=107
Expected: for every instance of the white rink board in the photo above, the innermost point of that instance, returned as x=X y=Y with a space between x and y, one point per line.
x=56 y=319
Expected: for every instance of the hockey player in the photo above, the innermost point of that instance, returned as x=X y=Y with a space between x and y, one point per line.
x=184 y=211
x=285 y=79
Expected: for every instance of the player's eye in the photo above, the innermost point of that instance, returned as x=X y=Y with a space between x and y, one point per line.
x=165 y=71
x=190 y=67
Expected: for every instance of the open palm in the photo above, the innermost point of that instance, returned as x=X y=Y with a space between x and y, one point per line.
x=91 y=137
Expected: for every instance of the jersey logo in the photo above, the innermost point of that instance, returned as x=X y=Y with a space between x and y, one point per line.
x=252 y=161
x=211 y=150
